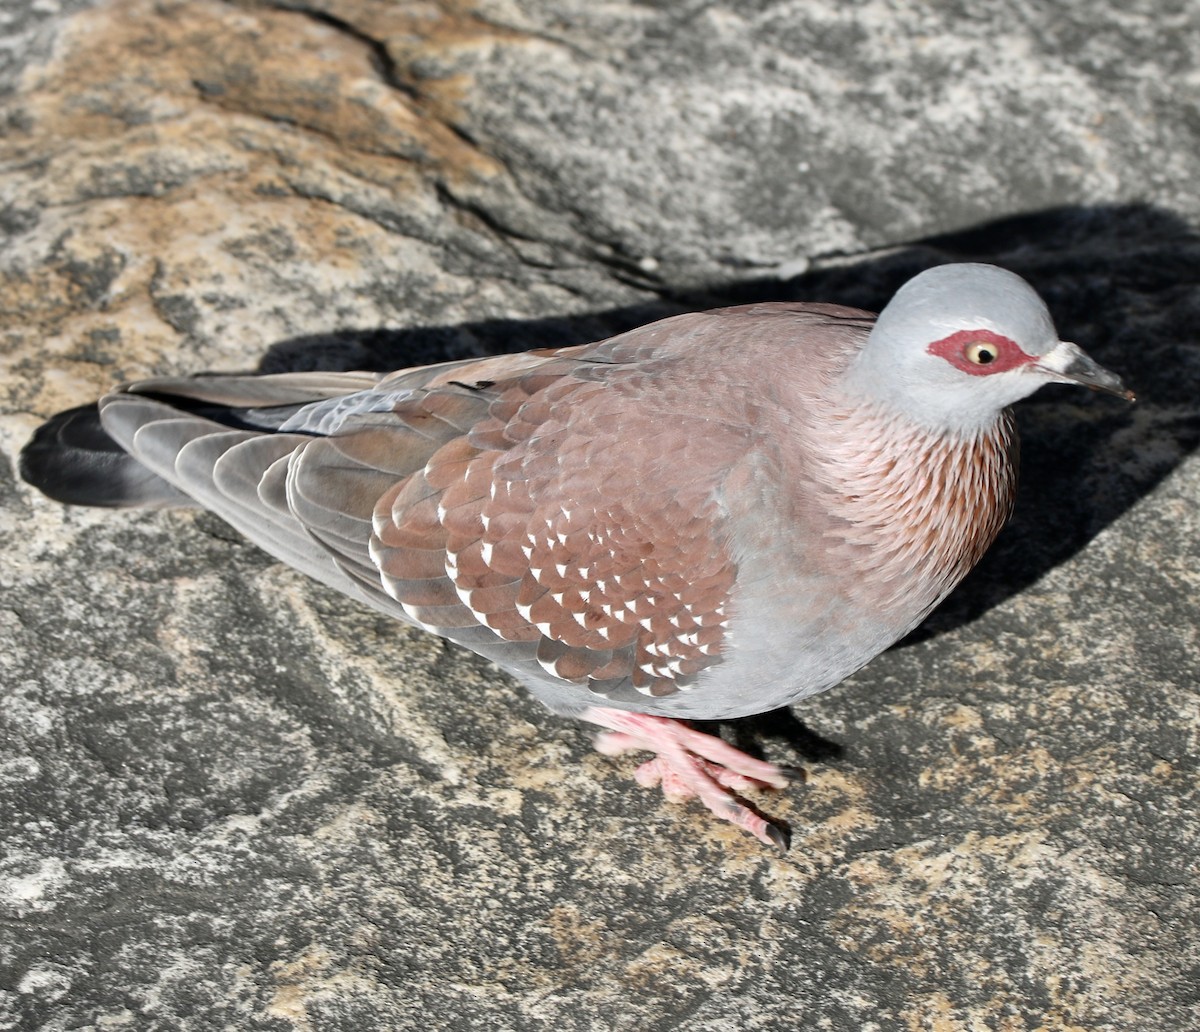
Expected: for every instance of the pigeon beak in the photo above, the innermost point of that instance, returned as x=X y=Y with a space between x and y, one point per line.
x=1069 y=363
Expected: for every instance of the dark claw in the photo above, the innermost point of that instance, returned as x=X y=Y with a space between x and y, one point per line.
x=780 y=837
x=794 y=774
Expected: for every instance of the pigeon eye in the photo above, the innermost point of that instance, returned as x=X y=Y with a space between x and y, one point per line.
x=981 y=352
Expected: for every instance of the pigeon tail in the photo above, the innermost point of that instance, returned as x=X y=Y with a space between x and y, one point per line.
x=72 y=459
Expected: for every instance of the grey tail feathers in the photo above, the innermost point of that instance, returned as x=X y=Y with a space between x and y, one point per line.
x=71 y=459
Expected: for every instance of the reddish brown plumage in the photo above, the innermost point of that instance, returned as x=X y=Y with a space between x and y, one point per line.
x=531 y=511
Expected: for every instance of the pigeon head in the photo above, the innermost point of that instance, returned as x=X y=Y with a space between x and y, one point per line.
x=958 y=344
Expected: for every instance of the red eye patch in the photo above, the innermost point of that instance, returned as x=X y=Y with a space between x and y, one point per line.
x=980 y=352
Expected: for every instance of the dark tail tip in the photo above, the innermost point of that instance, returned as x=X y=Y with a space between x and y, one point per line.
x=71 y=459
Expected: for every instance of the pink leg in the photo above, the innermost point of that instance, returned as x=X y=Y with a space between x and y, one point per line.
x=691 y=763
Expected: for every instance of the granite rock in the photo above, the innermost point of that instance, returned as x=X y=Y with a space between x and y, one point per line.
x=230 y=799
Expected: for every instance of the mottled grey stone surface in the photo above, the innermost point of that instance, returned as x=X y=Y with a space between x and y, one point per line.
x=229 y=799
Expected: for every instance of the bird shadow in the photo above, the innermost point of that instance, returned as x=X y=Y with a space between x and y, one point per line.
x=1120 y=280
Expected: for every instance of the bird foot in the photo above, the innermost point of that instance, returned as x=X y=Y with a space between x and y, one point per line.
x=690 y=763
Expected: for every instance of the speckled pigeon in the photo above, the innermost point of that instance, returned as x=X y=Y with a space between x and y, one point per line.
x=708 y=517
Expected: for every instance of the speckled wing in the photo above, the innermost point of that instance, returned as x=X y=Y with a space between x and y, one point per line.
x=577 y=524
x=562 y=521
x=543 y=509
